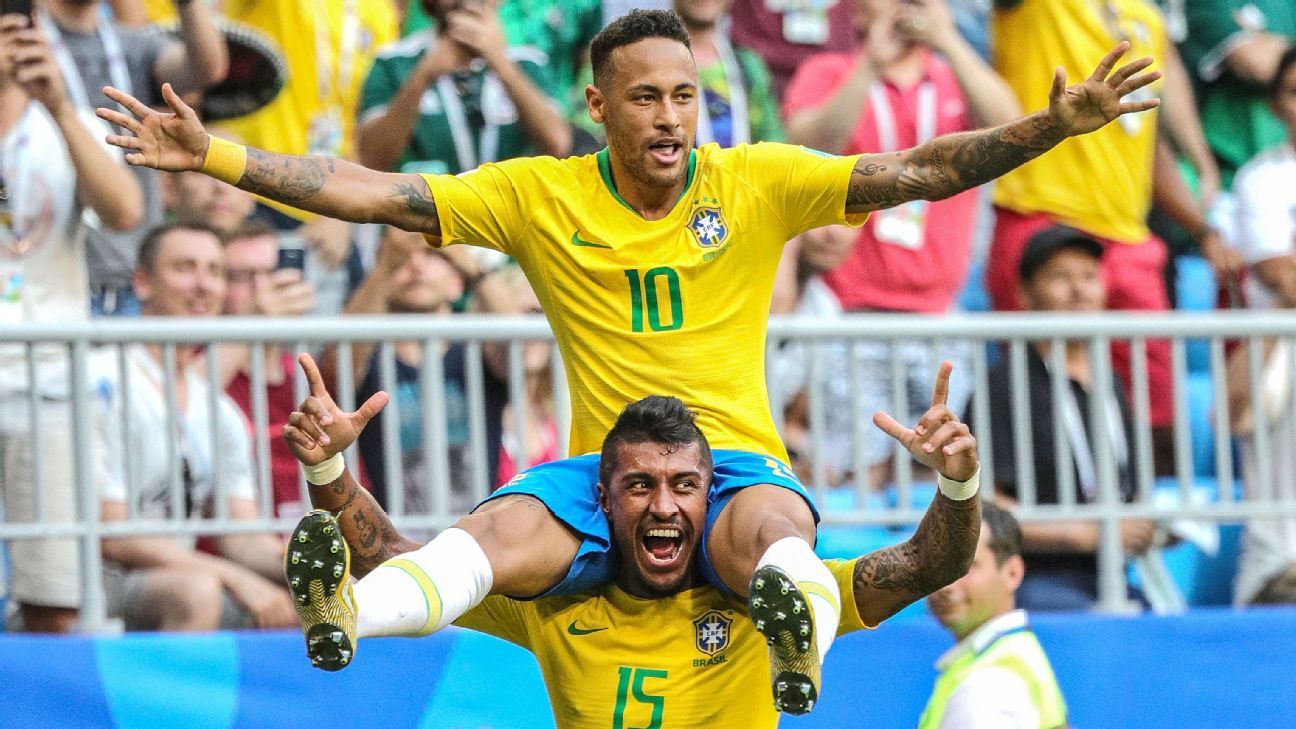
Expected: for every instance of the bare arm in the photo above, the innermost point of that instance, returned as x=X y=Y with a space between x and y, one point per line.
x=368 y=530
x=938 y=553
x=828 y=126
x=1255 y=60
x=261 y=553
x=1279 y=275
x=323 y=185
x=1181 y=121
x=953 y=163
x=941 y=550
x=383 y=137
x=201 y=59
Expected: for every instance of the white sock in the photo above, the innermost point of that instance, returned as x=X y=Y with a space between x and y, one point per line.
x=423 y=591
x=794 y=556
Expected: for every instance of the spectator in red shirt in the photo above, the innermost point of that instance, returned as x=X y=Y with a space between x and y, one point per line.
x=913 y=77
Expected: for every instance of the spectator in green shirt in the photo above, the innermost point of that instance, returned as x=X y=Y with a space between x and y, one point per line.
x=454 y=96
x=1233 y=47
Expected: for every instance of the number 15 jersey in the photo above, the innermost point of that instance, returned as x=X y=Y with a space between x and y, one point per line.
x=676 y=306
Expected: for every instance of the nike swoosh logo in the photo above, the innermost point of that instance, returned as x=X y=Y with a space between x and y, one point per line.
x=576 y=241
x=581 y=631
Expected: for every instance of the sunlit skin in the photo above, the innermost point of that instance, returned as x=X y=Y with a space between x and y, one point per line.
x=700 y=14
x=657 y=487
x=649 y=110
x=988 y=590
x=188 y=277
x=248 y=264
x=1070 y=280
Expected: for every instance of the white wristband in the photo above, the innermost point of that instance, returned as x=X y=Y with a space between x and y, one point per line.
x=326 y=471
x=959 y=490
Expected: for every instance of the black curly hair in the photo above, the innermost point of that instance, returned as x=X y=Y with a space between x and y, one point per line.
x=632 y=28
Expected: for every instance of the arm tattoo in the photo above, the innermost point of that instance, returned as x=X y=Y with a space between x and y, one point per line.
x=938 y=553
x=284 y=178
x=415 y=199
x=949 y=164
x=368 y=530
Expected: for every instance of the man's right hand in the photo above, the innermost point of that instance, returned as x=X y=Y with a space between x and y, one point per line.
x=174 y=142
x=319 y=429
x=269 y=604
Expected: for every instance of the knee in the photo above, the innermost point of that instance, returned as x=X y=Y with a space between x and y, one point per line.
x=191 y=601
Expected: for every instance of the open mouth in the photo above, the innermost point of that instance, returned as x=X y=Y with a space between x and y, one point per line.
x=666 y=152
x=663 y=546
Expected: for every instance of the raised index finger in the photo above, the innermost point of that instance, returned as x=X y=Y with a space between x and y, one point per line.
x=134 y=105
x=1109 y=61
x=313 y=376
x=940 y=393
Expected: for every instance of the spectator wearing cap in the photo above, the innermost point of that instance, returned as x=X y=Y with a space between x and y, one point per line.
x=997 y=675
x=912 y=78
x=1061 y=270
x=55 y=166
x=455 y=96
x=94 y=51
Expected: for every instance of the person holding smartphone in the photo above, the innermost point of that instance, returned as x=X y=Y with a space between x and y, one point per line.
x=53 y=166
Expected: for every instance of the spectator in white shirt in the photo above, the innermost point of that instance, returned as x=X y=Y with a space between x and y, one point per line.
x=176 y=456
x=996 y=676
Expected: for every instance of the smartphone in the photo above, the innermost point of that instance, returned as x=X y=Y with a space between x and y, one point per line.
x=16 y=7
x=290 y=257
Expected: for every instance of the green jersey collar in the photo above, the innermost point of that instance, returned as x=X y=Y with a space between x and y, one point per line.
x=605 y=170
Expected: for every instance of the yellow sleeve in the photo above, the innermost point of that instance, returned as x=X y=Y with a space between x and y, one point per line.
x=843 y=570
x=502 y=617
x=482 y=207
x=807 y=188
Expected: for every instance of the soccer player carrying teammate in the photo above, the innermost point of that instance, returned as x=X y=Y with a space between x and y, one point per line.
x=659 y=647
x=654 y=263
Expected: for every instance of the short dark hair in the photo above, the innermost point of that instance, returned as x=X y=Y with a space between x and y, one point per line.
x=1005 y=532
x=654 y=419
x=1285 y=62
x=632 y=28
x=152 y=243
x=250 y=228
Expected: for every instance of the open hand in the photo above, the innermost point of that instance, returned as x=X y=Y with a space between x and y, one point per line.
x=1090 y=105
x=939 y=441
x=318 y=429
x=175 y=142
x=477 y=28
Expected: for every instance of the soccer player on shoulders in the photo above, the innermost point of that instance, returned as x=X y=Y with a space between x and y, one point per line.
x=654 y=263
x=658 y=647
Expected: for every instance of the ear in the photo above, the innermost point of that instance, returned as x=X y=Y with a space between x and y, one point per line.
x=1013 y=570
x=140 y=282
x=595 y=103
x=603 y=498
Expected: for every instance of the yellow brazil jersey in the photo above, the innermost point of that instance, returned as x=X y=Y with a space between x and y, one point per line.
x=328 y=47
x=676 y=306
x=614 y=661
x=1100 y=182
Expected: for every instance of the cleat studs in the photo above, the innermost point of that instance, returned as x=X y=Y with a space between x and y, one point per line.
x=296 y=557
x=337 y=570
x=760 y=624
x=805 y=646
x=301 y=537
x=333 y=549
x=780 y=615
x=328 y=528
x=757 y=602
x=760 y=583
x=781 y=686
x=317 y=564
x=805 y=630
x=295 y=582
x=783 y=589
x=805 y=689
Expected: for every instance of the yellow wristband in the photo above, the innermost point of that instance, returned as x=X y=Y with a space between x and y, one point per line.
x=225 y=160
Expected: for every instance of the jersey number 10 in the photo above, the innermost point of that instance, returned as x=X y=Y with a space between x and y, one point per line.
x=645 y=296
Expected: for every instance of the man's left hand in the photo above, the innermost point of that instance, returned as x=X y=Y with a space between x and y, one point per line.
x=477 y=27
x=940 y=440
x=1090 y=105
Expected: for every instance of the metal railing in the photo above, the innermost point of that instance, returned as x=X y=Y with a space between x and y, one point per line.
x=1014 y=331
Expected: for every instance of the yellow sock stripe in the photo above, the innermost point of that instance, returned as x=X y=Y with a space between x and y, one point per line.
x=224 y=160
x=430 y=592
x=814 y=588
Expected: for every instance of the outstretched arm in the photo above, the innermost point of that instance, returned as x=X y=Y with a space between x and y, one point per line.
x=953 y=163
x=942 y=548
x=332 y=187
x=316 y=432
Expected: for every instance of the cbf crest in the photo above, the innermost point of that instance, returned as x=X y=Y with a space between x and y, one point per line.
x=707 y=224
x=711 y=632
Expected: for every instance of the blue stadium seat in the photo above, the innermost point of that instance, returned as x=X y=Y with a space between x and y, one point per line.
x=975 y=296
x=1195 y=290
x=1201 y=405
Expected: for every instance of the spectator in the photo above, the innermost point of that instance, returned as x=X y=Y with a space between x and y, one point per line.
x=896 y=92
x=786 y=32
x=55 y=165
x=163 y=583
x=192 y=197
x=448 y=99
x=1102 y=184
x=739 y=105
x=328 y=48
x=93 y=52
x=799 y=290
x=539 y=442
x=1233 y=48
x=409 y=277
x=997 y=675
x=1061 y=271
x=1266 y=238
x=256 y=286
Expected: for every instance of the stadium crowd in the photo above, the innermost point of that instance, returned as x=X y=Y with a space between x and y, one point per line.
x=443 y=86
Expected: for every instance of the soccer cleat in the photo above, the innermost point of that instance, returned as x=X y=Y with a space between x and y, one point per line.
x=318 y=566
x=780 y=610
